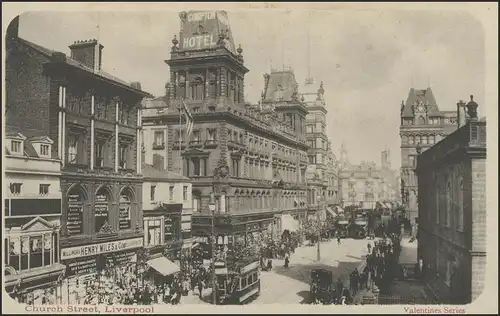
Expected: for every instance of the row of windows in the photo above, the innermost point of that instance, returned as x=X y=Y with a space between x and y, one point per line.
x=30 y=252
x=423 y=140
x=15 y=188
x=170 y=193
x=311 y=128
x=76 y=151
x=102 y=203
x=16 y=146
x=422 y=121
x=318 y=143
x=105 y=109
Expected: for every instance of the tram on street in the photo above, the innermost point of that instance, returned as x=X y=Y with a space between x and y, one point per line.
x=240 y=286
x=343 y=227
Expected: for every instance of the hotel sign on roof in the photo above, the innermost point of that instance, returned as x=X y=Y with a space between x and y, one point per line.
x=201 y=30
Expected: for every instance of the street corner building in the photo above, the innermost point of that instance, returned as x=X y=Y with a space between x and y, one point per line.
x=422 y=125
x=249 y=160
x=452 y=211
x=322 y=169
x=92 y=120
x=32 y=218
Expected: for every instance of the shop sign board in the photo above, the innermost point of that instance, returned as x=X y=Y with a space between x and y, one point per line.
x=97 y=249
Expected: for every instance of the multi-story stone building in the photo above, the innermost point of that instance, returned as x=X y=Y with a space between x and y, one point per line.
x=167 y=210
x=366 y=184
x=452 y=213
x=322 y=173
x=422 y=124
x=94 y=120
x=259 y=151
x=32 y=219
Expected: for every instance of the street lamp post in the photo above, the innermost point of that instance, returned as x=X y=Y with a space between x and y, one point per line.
x=318 y=252
x=212 y=241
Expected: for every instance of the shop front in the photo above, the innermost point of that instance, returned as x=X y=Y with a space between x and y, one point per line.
x=104 y=263
x=32 y=268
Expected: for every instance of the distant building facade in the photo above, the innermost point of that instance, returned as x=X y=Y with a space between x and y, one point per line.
x=93 y=119
x=422 y=124
x=452 y=214
x=365 y=184
x=32 y=220
x=260 y=149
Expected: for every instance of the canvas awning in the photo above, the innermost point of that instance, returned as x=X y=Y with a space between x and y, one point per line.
x=288 y=222
x=332 y=212
x=164 y=266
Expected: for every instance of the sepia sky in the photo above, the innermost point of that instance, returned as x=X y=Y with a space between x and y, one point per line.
x=367 y=60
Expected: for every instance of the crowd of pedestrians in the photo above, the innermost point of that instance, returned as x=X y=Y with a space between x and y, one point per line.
x=379 y=270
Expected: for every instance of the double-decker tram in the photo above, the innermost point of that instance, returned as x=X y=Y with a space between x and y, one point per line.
x=238 y=286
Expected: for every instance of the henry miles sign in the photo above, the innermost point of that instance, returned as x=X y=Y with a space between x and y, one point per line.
x=96 y=249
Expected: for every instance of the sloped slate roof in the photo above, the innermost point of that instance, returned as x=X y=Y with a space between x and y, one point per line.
x=426 y=97
x=48 y=52
x=285 y=79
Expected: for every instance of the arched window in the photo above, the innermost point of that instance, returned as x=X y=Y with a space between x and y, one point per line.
x=196 y=196
x=197 y=89
x=101 y=210
x=421 y=120
x=404 y=139
x=74 y=216
x=432 y=139
x=125 y=209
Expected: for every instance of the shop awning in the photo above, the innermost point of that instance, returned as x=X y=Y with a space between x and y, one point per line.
x=332 y=212
x=288 y=222
x=164 y=266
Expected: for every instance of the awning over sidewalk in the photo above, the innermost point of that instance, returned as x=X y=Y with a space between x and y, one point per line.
x=163 y=266
x=288 y=222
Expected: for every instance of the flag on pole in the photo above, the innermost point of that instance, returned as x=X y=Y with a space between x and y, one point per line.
x=189 y=119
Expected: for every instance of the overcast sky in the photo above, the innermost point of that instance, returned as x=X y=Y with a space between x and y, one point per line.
x=367 y=60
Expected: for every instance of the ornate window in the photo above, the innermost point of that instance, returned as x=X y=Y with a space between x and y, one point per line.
x=124 y=209
x=74 y=219
x=101 y=210
x=197 y=89
x=421 y=120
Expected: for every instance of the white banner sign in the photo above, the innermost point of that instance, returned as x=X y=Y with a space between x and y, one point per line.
x=96 y=249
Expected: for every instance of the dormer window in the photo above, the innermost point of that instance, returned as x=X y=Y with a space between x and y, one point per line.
x=44 y=150
x=15 y=146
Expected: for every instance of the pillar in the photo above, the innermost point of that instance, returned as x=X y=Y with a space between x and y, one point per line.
x=207 y=84
x=223 y=82
x=92 y=139
x=138 y=142
x=117 y=119
x=63 y=103
x=60 y=127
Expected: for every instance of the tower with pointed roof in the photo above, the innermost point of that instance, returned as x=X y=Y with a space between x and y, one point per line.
x=422 y=125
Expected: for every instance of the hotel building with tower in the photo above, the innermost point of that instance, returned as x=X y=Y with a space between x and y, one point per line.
x=259 y=151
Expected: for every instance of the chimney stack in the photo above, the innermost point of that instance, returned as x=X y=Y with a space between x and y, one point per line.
x=13 y=29
x=88 y=53
x=136 y=85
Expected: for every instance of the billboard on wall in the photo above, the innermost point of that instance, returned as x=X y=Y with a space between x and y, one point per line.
x=201 y=30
